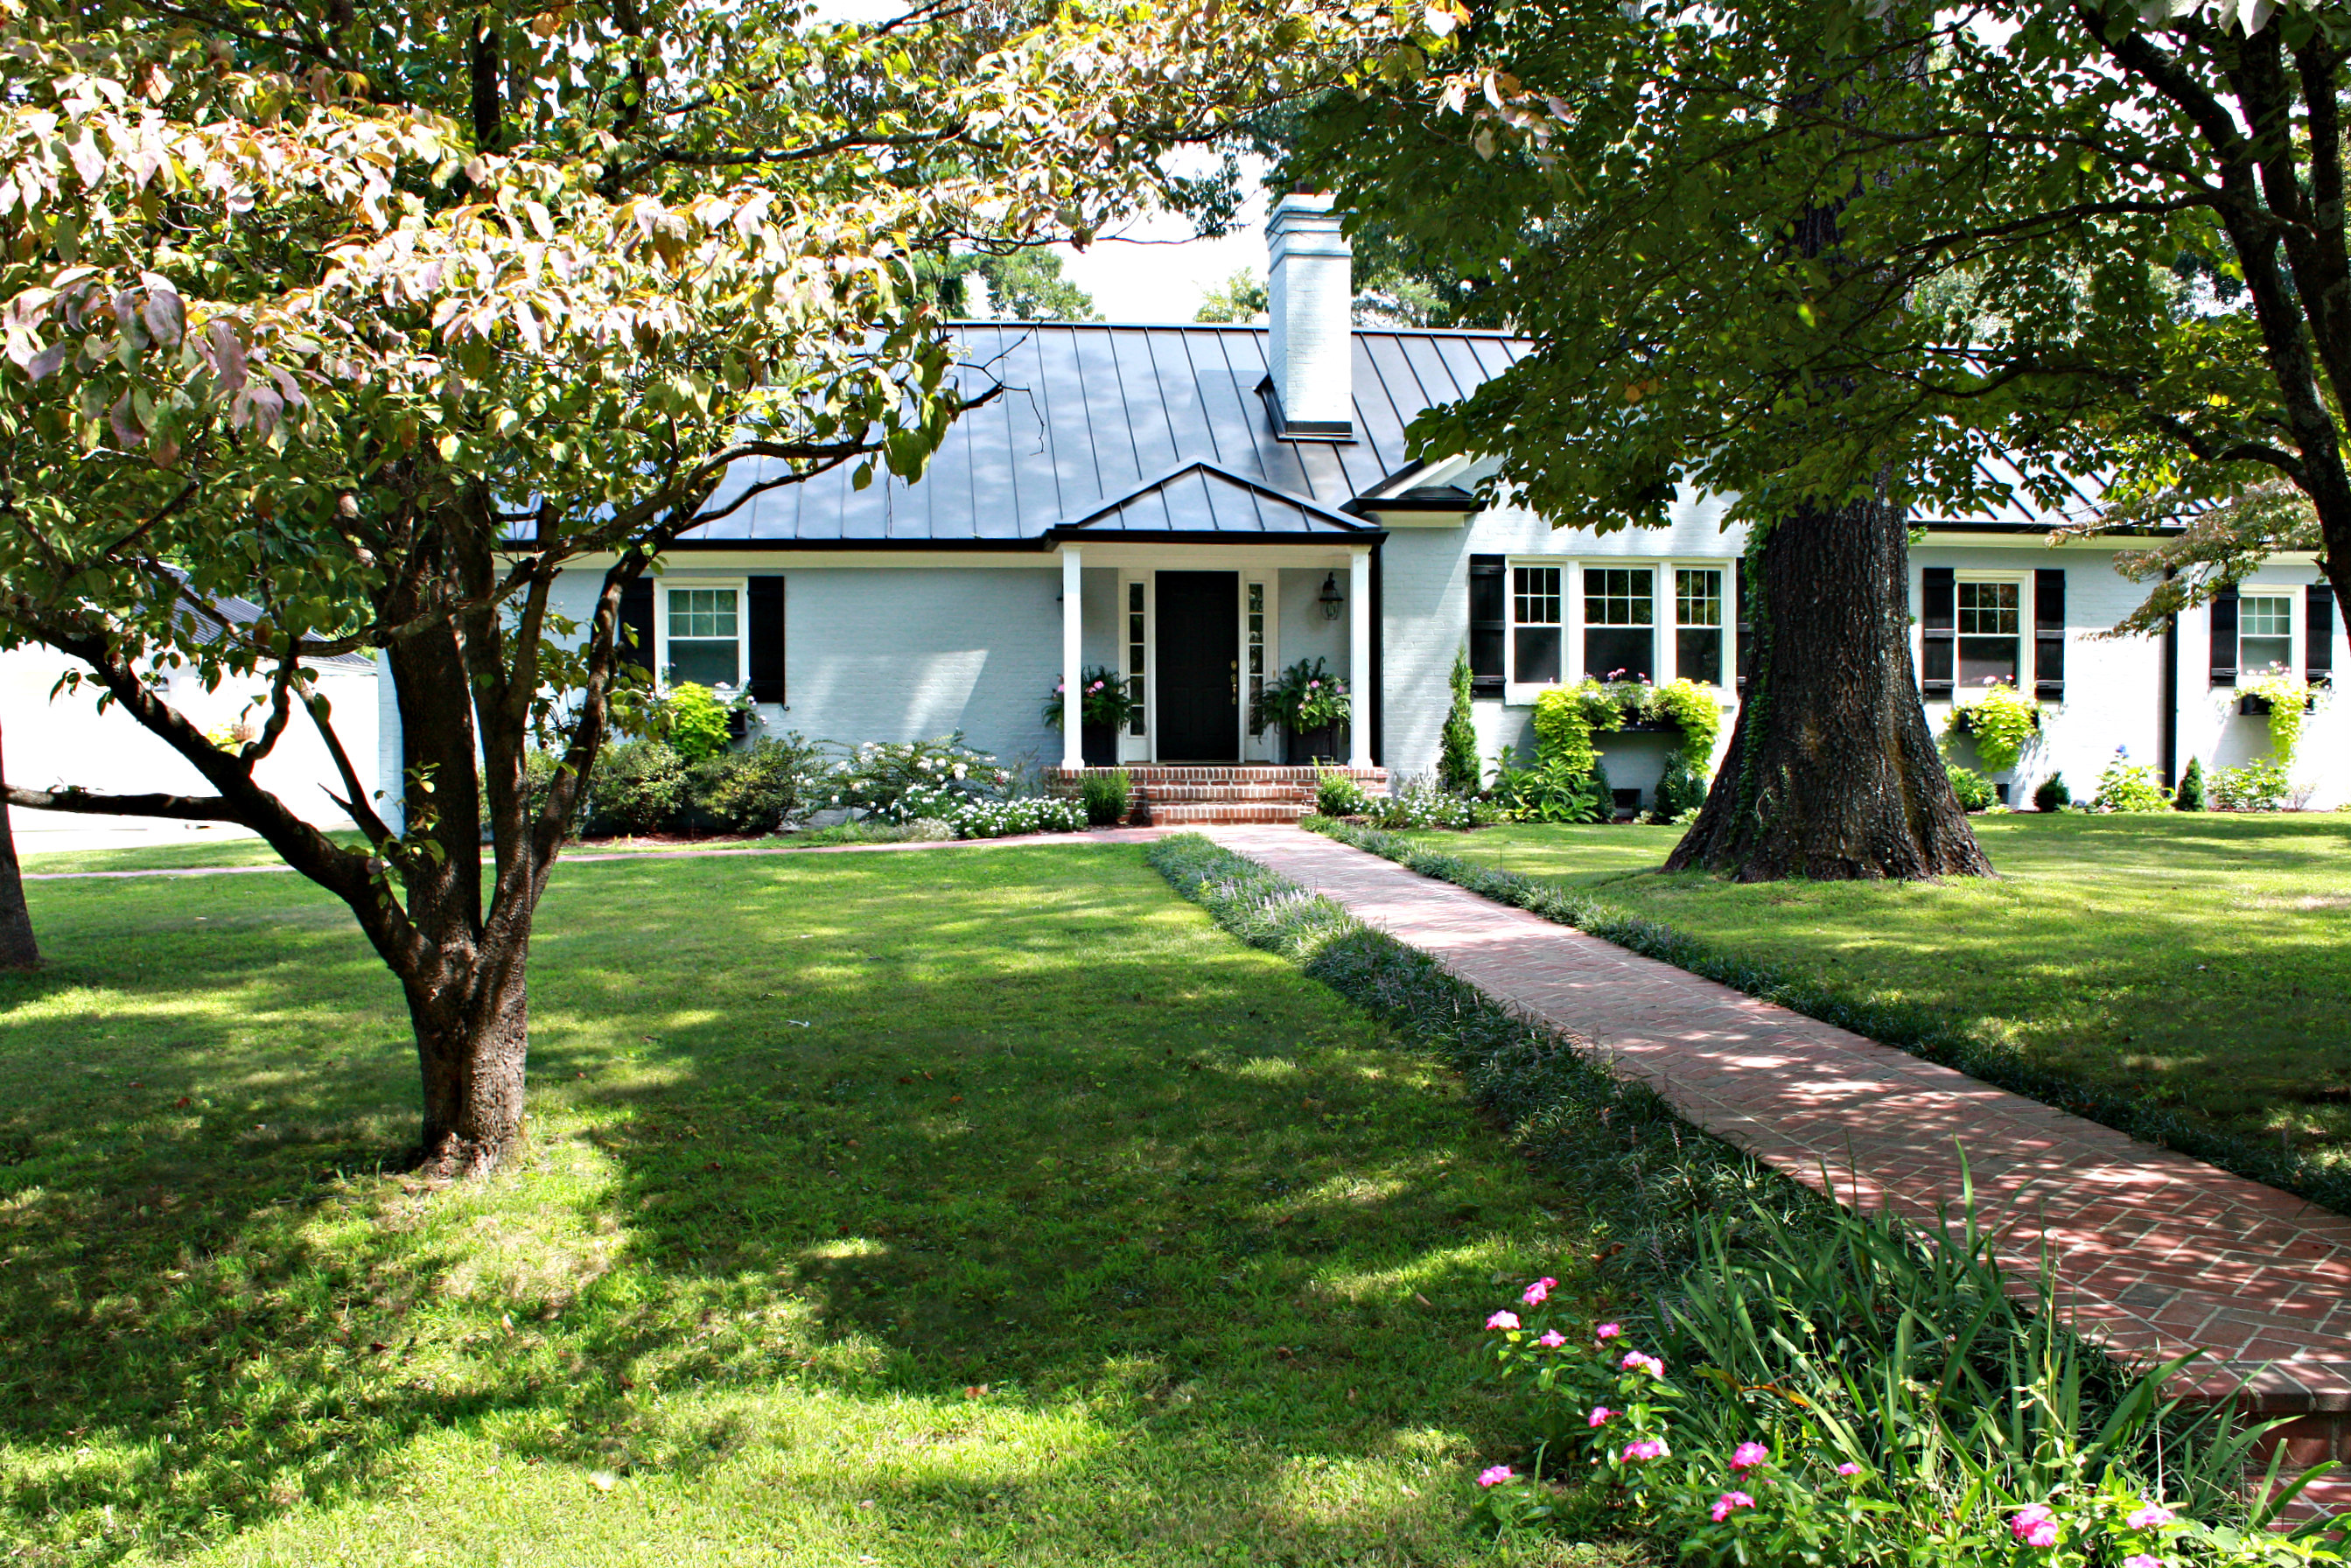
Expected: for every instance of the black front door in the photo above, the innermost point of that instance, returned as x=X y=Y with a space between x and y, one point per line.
x=1199 y=666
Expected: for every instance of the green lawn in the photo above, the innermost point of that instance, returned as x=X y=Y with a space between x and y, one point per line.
x=2203 y=960
x=923 y=1208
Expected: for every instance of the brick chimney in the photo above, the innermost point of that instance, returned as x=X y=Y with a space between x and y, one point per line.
x=1309 y=294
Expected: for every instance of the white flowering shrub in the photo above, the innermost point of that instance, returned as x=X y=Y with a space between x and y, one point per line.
x=875 y=777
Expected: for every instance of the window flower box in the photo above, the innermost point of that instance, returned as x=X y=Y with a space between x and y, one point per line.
x=2255 y=706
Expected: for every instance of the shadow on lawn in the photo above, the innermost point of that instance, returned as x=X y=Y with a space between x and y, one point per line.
x=1054 y=1145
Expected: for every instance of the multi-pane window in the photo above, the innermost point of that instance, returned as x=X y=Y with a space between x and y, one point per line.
x=1698 y=626
x=706 y=644
x=1990 y=622
x=1256 y=657
x=1619 y=623
x=1138 y=644
x=2264 y=633
x=1535 y=624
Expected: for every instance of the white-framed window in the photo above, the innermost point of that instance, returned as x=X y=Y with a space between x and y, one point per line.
x=1698 y=639
x=1538 y=626
x=1253 y=630
x=703 y=631
x=1990 y=623
x=1137 y=611
x=1620 y=622
x=2264 y=632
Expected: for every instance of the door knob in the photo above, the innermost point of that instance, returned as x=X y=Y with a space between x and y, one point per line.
x=1237 y=680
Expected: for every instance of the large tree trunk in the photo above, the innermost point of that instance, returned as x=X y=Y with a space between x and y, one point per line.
x=1832 y=773
x=17 y=949
x=471 y=1045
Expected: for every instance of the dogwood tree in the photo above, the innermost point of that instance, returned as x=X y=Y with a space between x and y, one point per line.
x=1843 y=261
x=381 y=317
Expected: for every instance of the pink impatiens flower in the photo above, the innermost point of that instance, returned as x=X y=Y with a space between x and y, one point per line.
x=1636 y=1361
x=2034 y=1525
x=1646 y=1448
x=2150 y=1515
x=1607 y=1330
x=1496 y=1476
x=1848 y=1469
x=1729 y=1501
x=2141 y=1560
x=1540 y=1291
x=1747 y=1456
x=1503 y=1321
x=1550 y=1339
x=1600 y=1414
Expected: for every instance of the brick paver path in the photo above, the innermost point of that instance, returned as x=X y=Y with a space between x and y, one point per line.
x=2155 y=1252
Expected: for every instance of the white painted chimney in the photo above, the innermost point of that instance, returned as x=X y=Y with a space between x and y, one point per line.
x=1309 y=297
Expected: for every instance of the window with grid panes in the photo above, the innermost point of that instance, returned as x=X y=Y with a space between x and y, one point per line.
x=1697 y=625
x=1991 y=632
x=705 y=636
x=1137 y=645
x=1535 y=624
x=1620 y=624
x=1256 y=656
x=2264 y=633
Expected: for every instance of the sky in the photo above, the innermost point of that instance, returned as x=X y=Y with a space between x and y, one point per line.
x=1158 y=271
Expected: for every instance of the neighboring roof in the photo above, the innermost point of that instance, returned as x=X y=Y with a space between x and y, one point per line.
x=244 y=612
x=1094 y=417
x=1207 y=500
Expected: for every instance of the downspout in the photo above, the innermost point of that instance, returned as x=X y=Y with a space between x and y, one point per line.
x=1379 y=685
x=2167 y=720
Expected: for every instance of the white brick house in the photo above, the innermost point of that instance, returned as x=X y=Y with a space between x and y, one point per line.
x=1199 y=507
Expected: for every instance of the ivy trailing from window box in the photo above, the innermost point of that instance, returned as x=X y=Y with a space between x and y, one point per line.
x=2003 y=721
x=2287 y=699
x=1567 y=717
x=1904 y=1026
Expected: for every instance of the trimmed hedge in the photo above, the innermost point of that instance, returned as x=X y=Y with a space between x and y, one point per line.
x=1904 y=1026
x=1559 y=1104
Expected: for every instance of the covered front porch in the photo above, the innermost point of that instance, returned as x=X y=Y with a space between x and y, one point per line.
x=1194 y=593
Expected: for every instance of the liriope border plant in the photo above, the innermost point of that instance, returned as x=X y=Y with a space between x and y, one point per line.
x=1904 y=1026
x=1950 y=1419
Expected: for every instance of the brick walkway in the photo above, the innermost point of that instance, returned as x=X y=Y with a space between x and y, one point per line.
x=2155 y=1252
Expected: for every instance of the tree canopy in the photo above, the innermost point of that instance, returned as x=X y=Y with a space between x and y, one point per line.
x=384 y=318
x=1781 y=248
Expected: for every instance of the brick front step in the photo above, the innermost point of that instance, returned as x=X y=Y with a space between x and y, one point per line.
x=1228 y=794
x=1226 y=812
x=1139 y=773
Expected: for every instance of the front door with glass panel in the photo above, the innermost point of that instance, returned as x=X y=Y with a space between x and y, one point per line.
x=1199 y=687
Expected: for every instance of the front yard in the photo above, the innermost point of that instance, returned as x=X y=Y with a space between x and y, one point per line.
x=948 y=1206
x=2203 y=961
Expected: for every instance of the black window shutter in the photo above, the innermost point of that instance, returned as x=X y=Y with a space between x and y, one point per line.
x=1742 y=623
x=1938 y=625
x=1488 y=605
x=637 y=619
x=2318 y=634
x=765 y=597
x=2224 y=637
x=2049 y=634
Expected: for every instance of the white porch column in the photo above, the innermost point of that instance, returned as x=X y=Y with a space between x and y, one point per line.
x=1074 y=740
x=1362 y=680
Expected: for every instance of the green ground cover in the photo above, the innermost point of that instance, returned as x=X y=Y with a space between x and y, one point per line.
x=2203 y=961
x=947 y=1206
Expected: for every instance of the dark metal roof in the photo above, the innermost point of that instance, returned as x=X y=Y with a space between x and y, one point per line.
x=1208 y=499
x=1097 y=418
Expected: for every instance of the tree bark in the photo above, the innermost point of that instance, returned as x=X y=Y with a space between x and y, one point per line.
x=1832 y=773
x=472 y=1042
x=17 y=949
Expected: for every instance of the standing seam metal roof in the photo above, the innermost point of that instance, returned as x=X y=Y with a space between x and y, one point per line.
x=1096 y=424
